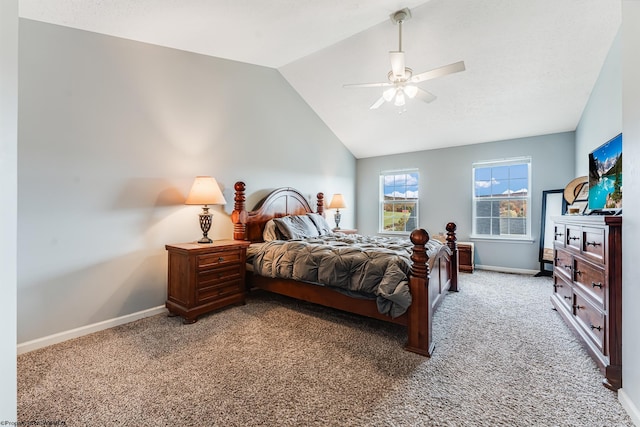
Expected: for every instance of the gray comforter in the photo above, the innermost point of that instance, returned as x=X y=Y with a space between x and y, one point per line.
x=362 y=266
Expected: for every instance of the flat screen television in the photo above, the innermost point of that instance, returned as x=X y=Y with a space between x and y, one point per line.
x=605 y=177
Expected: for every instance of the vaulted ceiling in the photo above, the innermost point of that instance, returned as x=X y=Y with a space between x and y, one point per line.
x=530 y=65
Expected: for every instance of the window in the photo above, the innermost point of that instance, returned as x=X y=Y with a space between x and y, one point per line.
x=501 y=199
x=399 y=201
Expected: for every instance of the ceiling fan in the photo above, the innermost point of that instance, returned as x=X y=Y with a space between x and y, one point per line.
x=402 y=82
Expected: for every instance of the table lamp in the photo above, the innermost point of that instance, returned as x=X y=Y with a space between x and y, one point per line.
x=205 y=191
x=337 y=203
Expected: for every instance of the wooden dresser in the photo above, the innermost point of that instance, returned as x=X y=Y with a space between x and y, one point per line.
x=205 y=277
x=587 y=276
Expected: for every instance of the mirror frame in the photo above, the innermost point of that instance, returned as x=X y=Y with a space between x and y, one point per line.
x=545 y=222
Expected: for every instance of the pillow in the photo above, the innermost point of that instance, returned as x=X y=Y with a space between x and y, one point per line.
x=296 y=227
x=271 y=232
x=321 y=223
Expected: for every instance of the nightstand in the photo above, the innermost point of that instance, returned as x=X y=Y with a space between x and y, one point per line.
x=465 y=257
x=205 y=277
x=345 y=230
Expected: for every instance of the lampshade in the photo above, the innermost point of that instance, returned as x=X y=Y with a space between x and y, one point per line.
x=205 y=191
x=337 y=202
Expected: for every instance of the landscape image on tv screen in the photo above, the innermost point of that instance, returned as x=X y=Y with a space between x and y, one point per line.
x=605 y=176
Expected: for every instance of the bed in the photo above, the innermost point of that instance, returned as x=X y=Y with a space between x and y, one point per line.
x=428 y=278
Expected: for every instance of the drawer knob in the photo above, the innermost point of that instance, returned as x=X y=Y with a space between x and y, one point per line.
x=596 y=285
x=566 y=297
x=574 y=238
x=594 y=244
x=557 y=286
x=578 y=272
x=599 y=328
x=567 y=266
x=578 y=307
x=220 y=259
x=559 y=234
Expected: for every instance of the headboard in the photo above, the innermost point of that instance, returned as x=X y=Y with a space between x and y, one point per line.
x=280 y=202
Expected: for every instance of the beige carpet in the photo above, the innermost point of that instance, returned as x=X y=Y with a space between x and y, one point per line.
x=503 y=358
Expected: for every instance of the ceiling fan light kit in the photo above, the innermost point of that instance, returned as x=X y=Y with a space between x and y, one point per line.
x=401 y=79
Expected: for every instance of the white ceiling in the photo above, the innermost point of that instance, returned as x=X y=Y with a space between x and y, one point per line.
x=531 y=65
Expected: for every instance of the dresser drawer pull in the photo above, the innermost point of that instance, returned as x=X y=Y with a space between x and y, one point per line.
x=594 y=244
x=596 y=285
x=557 y=286
x=567 y=266
x=574 y=238
x=599 y=328
x=566 y=297
x=559 y=234
x=578 y=307
x=578 y=272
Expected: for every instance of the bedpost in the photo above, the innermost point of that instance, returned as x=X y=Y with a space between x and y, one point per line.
x=451 y=242
x=420 y=311
x=320 y=203
x=239 y=214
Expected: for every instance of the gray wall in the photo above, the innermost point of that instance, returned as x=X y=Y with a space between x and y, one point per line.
x=602 y=116
x=631 y=203
x=8 y=202
x=446 y=190
x=111 y=134
x=614 y=107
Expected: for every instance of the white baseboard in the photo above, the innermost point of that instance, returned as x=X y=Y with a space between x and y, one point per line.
x=506 y=269
x=28 y=346
x=629 y=406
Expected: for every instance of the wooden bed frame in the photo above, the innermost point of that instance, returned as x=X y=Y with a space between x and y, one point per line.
x=427 y=287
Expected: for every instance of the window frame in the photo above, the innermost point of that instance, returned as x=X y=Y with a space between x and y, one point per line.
x=527 y=236
x=382 y=202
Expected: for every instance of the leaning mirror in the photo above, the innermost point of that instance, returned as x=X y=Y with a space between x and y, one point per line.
x=553 y=204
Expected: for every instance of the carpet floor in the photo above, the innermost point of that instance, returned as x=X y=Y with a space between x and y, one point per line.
x=503 y=357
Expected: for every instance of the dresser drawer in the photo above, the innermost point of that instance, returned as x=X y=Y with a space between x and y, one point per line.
x=564 y=291
x=559 y=233
x=591 y=319
x=593 y=243
x=563 y=263
x=591 y=280
x=574 y=237
x=219 y=258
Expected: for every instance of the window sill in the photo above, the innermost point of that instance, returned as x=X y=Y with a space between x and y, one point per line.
x=498 y=239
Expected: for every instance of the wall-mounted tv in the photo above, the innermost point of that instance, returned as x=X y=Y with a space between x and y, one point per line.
x=605 y=177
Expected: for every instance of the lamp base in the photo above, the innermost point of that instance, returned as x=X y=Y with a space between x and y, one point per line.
x=205 y=224
x=336 y=218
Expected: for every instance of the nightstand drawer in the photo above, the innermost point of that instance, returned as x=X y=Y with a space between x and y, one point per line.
x=219 y=290
x=221 y=274
x=219 y=258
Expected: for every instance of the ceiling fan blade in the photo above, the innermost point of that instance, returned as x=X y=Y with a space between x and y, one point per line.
x=397 y=64
x=378 y=103
x=438 y=72
x=425 y=96
x=368 y=84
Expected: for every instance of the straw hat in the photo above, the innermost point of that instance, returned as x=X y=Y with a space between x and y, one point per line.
x=573 y=188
